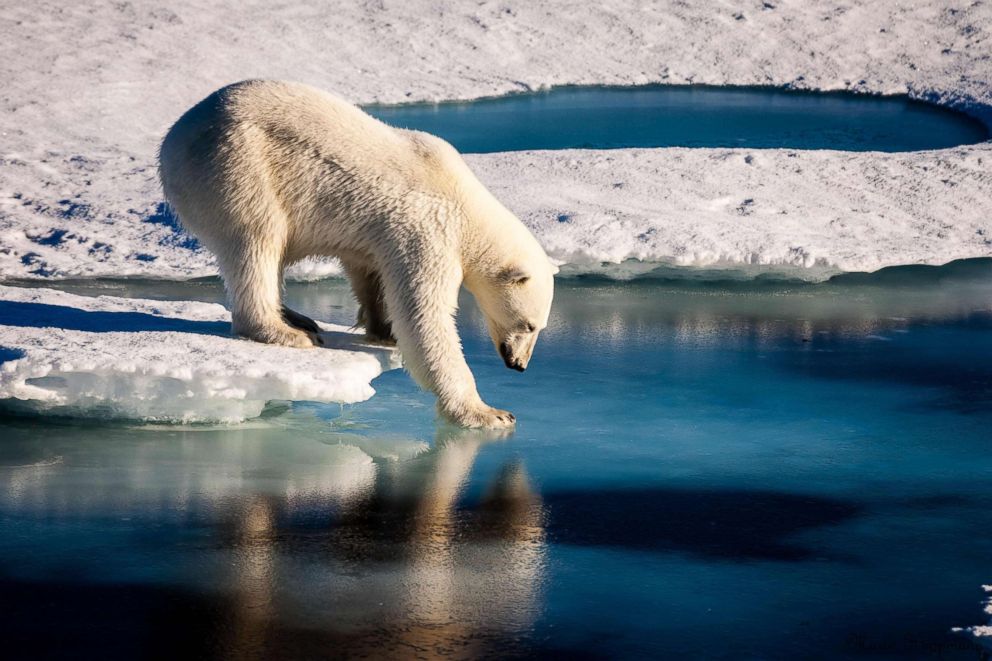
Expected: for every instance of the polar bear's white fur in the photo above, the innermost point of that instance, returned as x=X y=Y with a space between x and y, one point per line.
x=266 y=173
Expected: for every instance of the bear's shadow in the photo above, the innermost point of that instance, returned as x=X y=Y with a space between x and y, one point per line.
x=42 y=315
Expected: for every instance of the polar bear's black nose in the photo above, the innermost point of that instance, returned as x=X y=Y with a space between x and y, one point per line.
x=504 y=352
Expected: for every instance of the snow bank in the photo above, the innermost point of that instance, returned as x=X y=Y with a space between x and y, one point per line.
x=820 y=211
x=90 y=88
x=163 y=360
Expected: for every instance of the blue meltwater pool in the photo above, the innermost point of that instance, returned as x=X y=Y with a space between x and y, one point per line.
x=688 y=116
x=769 y=471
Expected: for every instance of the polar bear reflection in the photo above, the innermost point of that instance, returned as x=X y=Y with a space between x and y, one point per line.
x=401 y=568
x=305 y=541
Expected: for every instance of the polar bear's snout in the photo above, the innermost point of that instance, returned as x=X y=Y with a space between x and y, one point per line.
x=517 y=350
x=511 y=362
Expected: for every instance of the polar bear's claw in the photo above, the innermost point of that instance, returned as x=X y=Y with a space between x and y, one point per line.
x=487 y=417
x=297 y=320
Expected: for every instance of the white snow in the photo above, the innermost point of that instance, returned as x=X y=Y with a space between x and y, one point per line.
x=819 y=210
x=110 y=357
x=90 y=88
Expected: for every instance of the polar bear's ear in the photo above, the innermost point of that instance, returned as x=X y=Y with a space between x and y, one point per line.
x=514 y=275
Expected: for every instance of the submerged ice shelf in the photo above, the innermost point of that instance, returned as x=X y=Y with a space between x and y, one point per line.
x=172 y=361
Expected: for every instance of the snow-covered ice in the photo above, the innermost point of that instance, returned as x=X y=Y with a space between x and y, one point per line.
x=825 y=211
x=163 y=360
x=90 y=88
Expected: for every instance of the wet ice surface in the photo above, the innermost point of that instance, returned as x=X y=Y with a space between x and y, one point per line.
x=772 y=471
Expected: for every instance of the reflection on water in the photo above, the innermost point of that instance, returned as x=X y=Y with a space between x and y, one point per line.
x=804 y=469
x=296 y=545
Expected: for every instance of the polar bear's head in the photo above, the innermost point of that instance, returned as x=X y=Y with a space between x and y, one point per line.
x=516 y=303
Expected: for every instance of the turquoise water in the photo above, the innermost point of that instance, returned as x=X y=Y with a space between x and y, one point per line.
x=688 y=116
x=736 y=470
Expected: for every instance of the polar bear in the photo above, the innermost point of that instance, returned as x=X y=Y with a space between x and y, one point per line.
x=265 y=173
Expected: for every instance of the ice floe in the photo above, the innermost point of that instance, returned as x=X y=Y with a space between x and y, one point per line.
x=171 y=361
x=90 y=89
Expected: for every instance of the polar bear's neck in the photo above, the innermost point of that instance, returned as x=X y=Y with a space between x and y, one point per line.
x=492 y=237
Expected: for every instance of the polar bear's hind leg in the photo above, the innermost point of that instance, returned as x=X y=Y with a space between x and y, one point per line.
x=252 y=272
x=367 y=287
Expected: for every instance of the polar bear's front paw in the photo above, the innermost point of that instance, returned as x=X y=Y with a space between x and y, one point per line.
x=484 y=417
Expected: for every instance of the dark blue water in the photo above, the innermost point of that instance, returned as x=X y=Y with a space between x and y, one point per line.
x=723 y=471
x=688 y=116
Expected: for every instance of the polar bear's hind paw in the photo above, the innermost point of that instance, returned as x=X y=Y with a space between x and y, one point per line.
x=287 y=336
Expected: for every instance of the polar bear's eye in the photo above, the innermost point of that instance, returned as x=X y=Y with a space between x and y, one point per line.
x=531 y=328
x=514 y=276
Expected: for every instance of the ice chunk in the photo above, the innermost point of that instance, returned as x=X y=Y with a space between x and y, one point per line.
x=981 y=633
x=314 y=268
x=173 y=361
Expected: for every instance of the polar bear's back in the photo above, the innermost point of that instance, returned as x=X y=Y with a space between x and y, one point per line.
x=257 y=151
x=264 y=118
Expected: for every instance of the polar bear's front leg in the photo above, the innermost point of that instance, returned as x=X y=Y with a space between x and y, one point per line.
x=422 y=310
